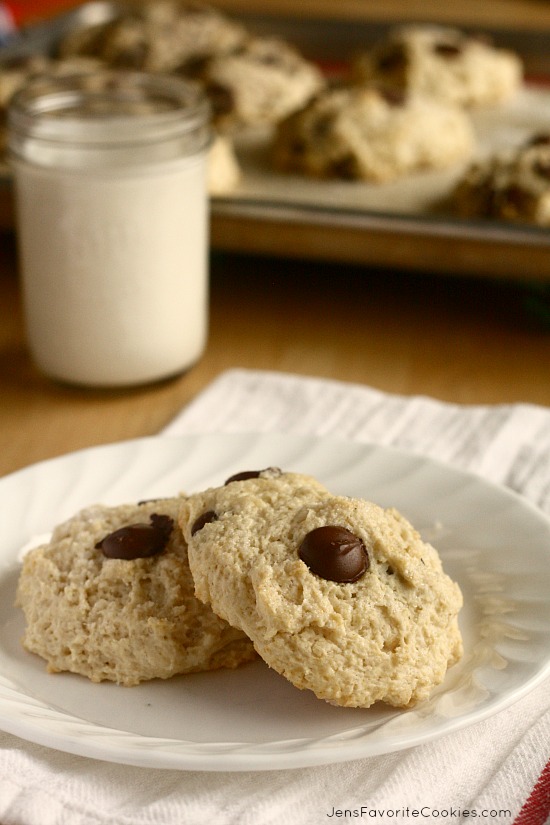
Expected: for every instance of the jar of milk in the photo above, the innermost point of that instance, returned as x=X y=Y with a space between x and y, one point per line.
x=112 y=216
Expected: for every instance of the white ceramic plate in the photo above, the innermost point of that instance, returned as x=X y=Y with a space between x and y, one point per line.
x=492 y=542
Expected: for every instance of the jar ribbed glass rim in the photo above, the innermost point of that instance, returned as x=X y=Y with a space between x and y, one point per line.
x=110 y=107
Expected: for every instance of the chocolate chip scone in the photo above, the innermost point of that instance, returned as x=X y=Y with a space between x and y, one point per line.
x=16 y=74
x=111 y=597
x=224 y=171
x=340 y=596
x=163 y=36
x=260 y=83
x=443 y=63
x=512 y=185
x=371 y=135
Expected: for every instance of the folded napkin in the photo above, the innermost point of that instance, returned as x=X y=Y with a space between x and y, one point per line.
x=497 y=770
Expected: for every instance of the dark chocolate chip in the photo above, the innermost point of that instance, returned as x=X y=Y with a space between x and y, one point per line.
x=334 y=553
x=151 y=500
x=344 y=167
x=513 y=200
x=298 y=147
x=393 y=59
x=270 y=59
x=205 y=518
x=394 y=97
x=138 y=541
x=542 y=169
x=540 y=139
x=193 y=67
x=274 y=472
x=221 y=98
x=244 y=476
x=447 y=49
x=133 y=57
x=322 y=126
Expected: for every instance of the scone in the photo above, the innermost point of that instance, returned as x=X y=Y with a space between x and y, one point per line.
x=340 y=596
x=14 y=75
x=511 y=185
x=111 y=597
x=442 y=63
x=259 y=84
x=163 y=36
x=224 y=171
x=368 y=134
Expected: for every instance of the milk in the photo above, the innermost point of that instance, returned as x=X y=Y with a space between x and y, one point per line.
x=114 y=271
x=113 y=254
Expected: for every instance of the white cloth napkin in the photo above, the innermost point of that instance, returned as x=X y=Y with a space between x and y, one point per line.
x=497 y=769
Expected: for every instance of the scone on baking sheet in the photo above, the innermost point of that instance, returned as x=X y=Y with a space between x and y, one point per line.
x=443 y=63
x=111 y=597
x=340 y=596
x=510 y=185
x=369 y=134
x=14 y=75
x=158 y=37
x=224 y=171
x=259 y=83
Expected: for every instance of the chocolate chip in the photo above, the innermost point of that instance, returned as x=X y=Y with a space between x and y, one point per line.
x=542 y=169
x=244 y=476
x=270 y=472
x=270 y=59
x=394 y=97
x=298 y=146
x=221 y=98
x=151 y=500
x=334 y=553
x=138 y=541
x=193 y=67
x=541 y=139
x=344 y=167
x=513 y=200
x=205 y=518
x=393 y=59
x=133 y=57
x=322 y=126
x=447 y=49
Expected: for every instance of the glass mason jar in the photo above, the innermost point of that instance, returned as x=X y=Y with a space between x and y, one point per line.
x=110 y=173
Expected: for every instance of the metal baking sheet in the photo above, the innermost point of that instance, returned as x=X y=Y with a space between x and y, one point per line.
x=407 y=223
x=404 y=224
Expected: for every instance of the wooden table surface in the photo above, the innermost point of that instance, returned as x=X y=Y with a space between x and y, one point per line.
x=466 y=340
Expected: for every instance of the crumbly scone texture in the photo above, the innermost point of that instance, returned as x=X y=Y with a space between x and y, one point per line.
x=512 y=185
x=163 y=36
x=260 y=83
x=368 y=134
x=126 y=621
x=443 y=63
x=389 y=636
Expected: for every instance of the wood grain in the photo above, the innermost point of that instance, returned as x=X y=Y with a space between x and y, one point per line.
x=463 y=340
